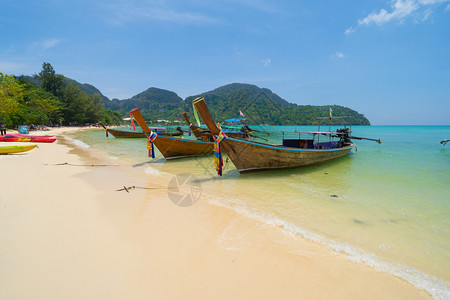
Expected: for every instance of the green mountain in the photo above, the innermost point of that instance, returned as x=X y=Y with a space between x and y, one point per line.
x=154 y=103
x=260 y=105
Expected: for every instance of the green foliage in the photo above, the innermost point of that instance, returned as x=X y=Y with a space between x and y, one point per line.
x=11 y=92
x=23 y=102
x=78 y=107
x=49 y=98
x=49 y=80
x=41 y=102
x=308 y=114
x=226 y=102
x=111 y=117
x=261 y=106
x=154 y=102
x=88 y=89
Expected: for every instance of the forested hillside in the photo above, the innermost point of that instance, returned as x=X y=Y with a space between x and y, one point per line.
x=50 y=98
x=259 y=105
x=154 y=103
x=262 y=106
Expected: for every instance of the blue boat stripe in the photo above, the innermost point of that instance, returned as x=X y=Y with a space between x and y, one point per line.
x=288 y=148
x=187 y=140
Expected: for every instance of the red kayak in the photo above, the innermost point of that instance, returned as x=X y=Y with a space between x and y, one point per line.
x=29 y=135
x=36 y=139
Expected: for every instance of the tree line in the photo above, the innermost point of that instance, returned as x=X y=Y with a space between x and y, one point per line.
x=49 y=100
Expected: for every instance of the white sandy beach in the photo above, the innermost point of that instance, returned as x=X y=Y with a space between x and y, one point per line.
x=66 y=233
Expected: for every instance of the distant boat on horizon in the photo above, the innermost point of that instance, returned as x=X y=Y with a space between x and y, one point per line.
x=123 y=133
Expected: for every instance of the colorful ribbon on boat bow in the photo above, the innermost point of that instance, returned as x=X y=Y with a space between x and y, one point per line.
x=132 y=123
x=151 y=138
x=218 y=151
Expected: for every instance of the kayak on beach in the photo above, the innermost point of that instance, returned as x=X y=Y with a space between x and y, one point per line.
x=36 y=139
x=16 y=149
x=29 y=135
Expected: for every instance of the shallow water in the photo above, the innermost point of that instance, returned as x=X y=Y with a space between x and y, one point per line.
x=386 y=206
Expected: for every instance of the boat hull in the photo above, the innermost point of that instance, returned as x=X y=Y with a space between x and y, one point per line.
x=177 y=147
x=200 y=132
x=250 y=156
x=16 y=149
x=137 y=134
x=30 y=135
x=37 y=139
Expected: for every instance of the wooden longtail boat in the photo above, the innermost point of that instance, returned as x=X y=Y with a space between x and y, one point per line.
x=118 y=133
x=199 y=133
x=444 y=142
x=205 y=135
x=250 y=156
x=171 y=147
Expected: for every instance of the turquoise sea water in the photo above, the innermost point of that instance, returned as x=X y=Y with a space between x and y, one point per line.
x=386 y=206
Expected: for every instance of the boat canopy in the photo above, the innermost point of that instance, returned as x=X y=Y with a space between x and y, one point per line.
x=315 y=132
x=157 y=128
x=234 y=120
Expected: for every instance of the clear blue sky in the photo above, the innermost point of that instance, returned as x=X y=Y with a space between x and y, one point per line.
x=387 y=59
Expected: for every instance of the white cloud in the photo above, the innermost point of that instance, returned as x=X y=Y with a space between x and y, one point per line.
x=337 y=55
x=447 y=8
x=127 y=12
x=429 y=2
x=266 y=62
x=426 y=15
x=400 y=10
x=168 y=15
x=350 y=30
x=47 y=44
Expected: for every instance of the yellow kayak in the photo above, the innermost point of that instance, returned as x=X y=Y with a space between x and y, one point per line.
x=16 y=149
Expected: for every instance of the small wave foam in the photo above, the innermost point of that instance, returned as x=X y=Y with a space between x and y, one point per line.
x=150 y=170
x=436 y=287
x=78 y=142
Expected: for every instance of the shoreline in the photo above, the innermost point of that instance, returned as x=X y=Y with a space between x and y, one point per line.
x=94 y=242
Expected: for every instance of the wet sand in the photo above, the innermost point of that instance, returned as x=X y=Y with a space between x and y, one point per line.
x=66 y=233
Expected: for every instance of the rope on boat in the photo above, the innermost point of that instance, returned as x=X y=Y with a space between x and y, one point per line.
x=77 y=165
x=127 y=189
x=226 y=163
